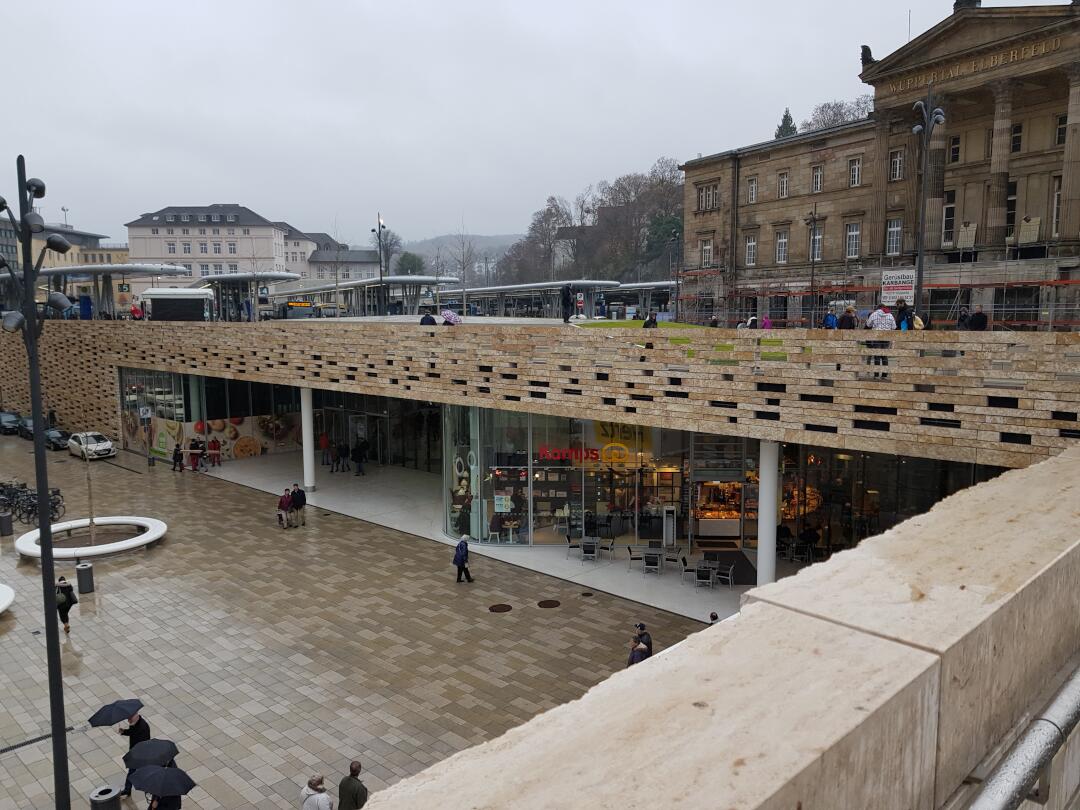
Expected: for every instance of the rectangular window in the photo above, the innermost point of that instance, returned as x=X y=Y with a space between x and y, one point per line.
x=1062 y=130
x=187 y=267
x=1010 y=210
x=204 y=269
x=954 y=149
x=185 y=217
x=185 y=231
x=896 y=165
x=231 y=218
x=217 y=248
x=782 y=185
x=894 y=234
x=217 y=269
x=215 y=218
x=154 y=231
x=701 y=198
x=345 y=273
x=233 y=268
x=170 y=217
x=202 y=247
x=781 y=247
x=230 y=231
x=852 y=239
x=815 y=243
x=232 y=248
x=751 y=250
x=215 y=231
x=1017 y=137
x=247 y=231
x=751 y=189
x=169 y=231
x=187 y=247
x=706 y=252
x=202 y=231
x=1056 y=208
x=171 y=247
x=854 y=172
x=948 y=218
x=988 y=146
x=202 y=217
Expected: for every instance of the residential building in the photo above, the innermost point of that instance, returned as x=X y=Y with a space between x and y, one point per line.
x=1003 y=190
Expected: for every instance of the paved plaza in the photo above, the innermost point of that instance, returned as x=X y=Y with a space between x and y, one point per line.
x=267 y=655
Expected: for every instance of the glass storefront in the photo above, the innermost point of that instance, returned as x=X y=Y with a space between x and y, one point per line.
x=404 y=433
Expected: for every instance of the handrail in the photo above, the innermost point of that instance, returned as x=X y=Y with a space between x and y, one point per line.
x=1010 y=784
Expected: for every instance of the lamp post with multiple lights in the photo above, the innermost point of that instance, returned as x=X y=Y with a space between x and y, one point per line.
x=812 y=223
x=931 y=117
x=378 y=231
x=30 y=322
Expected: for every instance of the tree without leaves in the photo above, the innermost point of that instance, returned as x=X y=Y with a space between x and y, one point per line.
x=786 y=128
x=834 y=113
x=391 y=246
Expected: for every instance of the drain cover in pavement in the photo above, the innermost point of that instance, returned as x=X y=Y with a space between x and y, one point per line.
x=549 y=603
x=586 y=593
x=500 y=608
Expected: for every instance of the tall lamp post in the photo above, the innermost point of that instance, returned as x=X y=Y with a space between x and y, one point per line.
x=378 y=231
x=676 y=234
x=931 y=117
x=811 y=222
x=30 y=322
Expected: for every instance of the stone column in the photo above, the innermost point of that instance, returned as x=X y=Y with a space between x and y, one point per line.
x=935 y=180
x=307 y=430
x=768 y=490
x=875 y=232
x=1070 y=171
x=999 y=170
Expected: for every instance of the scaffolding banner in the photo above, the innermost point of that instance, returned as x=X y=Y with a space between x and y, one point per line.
x=896 y=285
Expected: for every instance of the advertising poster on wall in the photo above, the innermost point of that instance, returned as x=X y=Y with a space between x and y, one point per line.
x=896 y=285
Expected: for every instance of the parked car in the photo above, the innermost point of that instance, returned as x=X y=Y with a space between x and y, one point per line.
x=9 y=422
x=90 y=445
x=56 y=439
x=26 y=427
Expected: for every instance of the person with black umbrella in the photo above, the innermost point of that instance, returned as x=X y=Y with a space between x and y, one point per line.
x=138 y=731
x=165 y=785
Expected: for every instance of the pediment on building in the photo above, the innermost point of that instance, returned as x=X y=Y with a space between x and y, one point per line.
x=970 y=33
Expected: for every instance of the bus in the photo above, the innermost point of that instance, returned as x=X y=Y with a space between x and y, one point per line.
x=178 y=304
x=292 y=310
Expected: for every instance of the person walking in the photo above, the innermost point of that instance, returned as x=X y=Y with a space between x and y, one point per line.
x=313 y=795
x=214 y=448
x=963 y=320
x=638 y=652
x=138 y=731
x=343 y=456
x=978 y=321
x=65 y=601
x=177 y=458
x=324 y=445
x=829 y=321
x=644 y=637
x=567 y=296
x=461 y=558
x=848 y=320
x=334 y=460
x=298 y=503
x=352 y=793
x=193 y=454
x=284 y=504
x=650 y=322
x=357 y=456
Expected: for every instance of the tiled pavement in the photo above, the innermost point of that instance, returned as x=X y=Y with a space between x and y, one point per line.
x=267 y=655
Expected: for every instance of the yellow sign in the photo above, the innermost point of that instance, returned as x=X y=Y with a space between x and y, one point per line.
x=960 y=68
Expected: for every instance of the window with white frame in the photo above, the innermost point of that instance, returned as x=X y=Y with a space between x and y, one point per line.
x=894 y=236
x=247 y=231
x=751 y=189
x=1056 y=208
x=187 y=247
x=202 y=217
x=186 y=267
x=233 y=268
x=706 y=253
x=185 y=217
x=896 y=165
x=185 y=231
x=170 y=217
x=217 y=270
x=751 y=249
x=816 y=239
x=854 y=166
x=230 y=231
x=782 y=185
x=217 y=248
x=1010 y=210
x=231 y=218
x=817 y=179
x=154 y=231
x=345 y=272
x=1017 y=138
x=215 y=217
x=948 y=217
x=232 y=248
x=781 y=247
x=203 y=248
x=852 y=239
x=321 y=273
x=170 y=247
x=169 y=231
x=954 y=149
x=1062 y=130
x=215 y=231
x=708 y=199
x=204 y=269
x=202 y=231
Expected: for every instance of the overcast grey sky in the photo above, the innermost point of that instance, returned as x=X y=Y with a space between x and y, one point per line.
x=436 y=113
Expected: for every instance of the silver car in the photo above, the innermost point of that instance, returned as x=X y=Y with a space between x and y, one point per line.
x=90 y=445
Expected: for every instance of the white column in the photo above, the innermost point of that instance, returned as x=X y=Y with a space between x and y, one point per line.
x=307 y=425
x=768 y=487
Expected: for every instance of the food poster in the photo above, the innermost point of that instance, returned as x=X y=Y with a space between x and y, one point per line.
x=239 y=436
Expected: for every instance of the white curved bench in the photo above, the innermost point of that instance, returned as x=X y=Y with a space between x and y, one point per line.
x=153 y=529
x=7 y=596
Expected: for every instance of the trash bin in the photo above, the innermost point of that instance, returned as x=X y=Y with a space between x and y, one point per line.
x=105 y=798
x=84 y=572
x=6 y=528
x=150 y=461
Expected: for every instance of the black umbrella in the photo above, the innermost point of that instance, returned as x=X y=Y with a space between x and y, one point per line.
x=158 y=781
x=151 y=752
x=116 y=712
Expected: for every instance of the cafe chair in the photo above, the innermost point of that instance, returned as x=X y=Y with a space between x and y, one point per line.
x=633 y=557
x=651 y=563
x=588 y=550
x=726 y=575
x=571 y=544
x=609 y=547
x=494 y=537
x=686 y=569
x=703 y=576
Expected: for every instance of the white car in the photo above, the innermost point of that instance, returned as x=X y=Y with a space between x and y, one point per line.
x=90 y=445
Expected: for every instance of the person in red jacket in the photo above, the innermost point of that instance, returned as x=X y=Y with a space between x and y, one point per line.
x=284 y=506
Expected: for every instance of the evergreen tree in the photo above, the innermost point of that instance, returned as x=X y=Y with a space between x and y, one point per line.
x=787 y=125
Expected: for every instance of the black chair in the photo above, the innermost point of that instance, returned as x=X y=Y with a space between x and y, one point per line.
x=633 y=558
x=571 y=544
x=686 y=569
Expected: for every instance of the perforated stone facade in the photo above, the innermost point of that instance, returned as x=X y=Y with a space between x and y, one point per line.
x=1005 y=399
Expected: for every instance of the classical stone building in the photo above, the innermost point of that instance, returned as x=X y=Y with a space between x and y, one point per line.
x=790 y=226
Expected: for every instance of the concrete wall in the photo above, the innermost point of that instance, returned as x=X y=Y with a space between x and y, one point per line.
x=878 y=679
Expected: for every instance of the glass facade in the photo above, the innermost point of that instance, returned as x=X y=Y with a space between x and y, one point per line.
x=405 y=433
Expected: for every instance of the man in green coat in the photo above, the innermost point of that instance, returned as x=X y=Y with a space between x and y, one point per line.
x=352 y=794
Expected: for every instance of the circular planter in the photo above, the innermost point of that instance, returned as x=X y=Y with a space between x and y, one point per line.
x=7 y=596
x=153 y=530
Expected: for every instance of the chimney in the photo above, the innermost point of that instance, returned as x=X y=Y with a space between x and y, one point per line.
x=960 y=5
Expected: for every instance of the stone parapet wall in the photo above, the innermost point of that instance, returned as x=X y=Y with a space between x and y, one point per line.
x=1006 y=399
x=878 y=679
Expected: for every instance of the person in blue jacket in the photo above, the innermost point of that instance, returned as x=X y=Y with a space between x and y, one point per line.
x=461 y=558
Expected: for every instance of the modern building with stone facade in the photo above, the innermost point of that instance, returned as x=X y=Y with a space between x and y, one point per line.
x=790 y=226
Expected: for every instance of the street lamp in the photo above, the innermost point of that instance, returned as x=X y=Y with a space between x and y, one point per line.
x=379 y=237
x=674 y=267
x=30 y=322
x=811 y=222
x=931 y=117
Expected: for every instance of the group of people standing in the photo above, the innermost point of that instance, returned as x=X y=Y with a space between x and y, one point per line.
x=337 y=455
x=640 y=645
x=200 y=454
x=352 y=793
x=292 y=508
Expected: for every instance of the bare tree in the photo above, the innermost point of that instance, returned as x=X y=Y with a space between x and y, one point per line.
x=391 y=246
x=834 y=113
x=463 y=255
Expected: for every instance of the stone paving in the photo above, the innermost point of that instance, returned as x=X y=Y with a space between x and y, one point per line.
x=267 y=655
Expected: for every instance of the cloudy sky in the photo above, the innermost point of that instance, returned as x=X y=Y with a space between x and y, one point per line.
x=438 y=114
